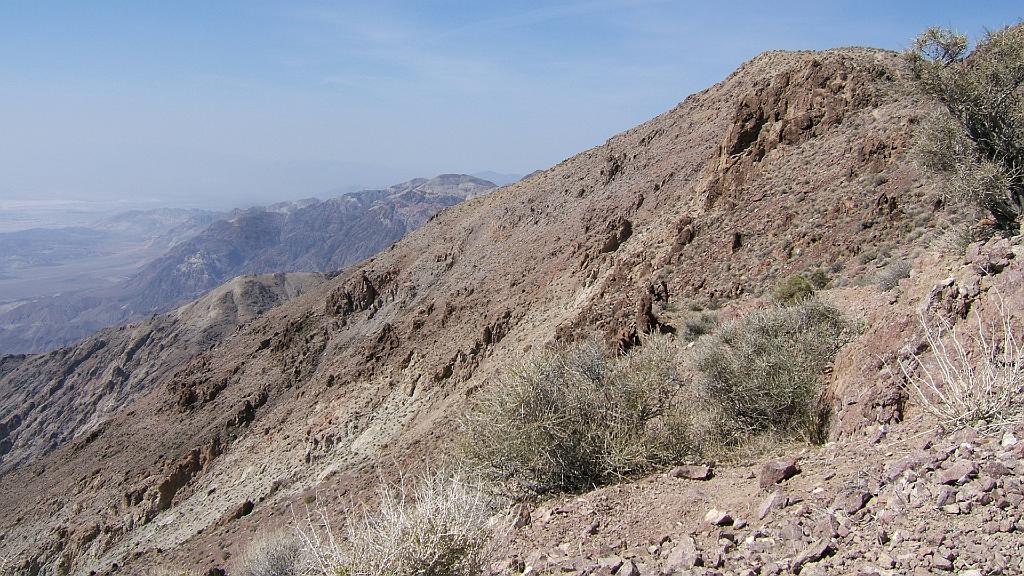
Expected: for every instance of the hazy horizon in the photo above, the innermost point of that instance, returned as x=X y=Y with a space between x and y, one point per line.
x=235 y=104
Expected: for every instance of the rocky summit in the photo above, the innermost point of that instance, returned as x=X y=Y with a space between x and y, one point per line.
x=177 y=441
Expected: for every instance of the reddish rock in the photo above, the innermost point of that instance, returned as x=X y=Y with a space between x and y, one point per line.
x=777 y=471
x=852 y=501
x=813 y=553
x=691 y=472
x=959 y=473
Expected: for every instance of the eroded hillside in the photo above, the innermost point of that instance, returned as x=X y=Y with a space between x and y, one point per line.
x=795 y=162
x=48 y=400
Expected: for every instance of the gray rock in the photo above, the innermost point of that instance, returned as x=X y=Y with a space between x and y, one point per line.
x=852 y=501
x=628 y=568
x=717 y=517
x=997 y=469
x=1008 y=440
x=613 y=563
x=771 y=502
x=683 y=557
x=520 y=515
x=940 y=563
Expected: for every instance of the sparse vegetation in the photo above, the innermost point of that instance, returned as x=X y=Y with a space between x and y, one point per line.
x=969 y=378
x=891 y=275
x=163 y=571
x=956 y=239
x=274 y=554
x=435 y=526
x=793 y=289
x=819 y=279
x=697 y=324
x=577 y=417
x=977 y=141
x=765 y=369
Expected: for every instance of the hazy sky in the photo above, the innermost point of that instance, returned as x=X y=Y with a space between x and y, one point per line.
x=226 y=103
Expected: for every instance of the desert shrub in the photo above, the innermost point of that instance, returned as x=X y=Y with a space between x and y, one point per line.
x=793 y=289
x=573 y=418
x=433 y=526
x=976 y=141
x=696 y=324
x=890 y=277
x=970 y=377
x=765 y=369
x=159 y=571
x=818 y=278
x=274 y=554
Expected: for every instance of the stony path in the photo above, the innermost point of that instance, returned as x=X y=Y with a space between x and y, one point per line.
x=927 y=503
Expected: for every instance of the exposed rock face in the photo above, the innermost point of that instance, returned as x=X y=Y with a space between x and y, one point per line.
x=791 y=108
x=709 y=204
x=304 y=236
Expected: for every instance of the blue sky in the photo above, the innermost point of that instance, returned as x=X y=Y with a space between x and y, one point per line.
x=227 y=103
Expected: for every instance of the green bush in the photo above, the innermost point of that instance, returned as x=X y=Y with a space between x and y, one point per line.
x=765 y=369
x=819 y=279
x=696 y=324
x=977 y=141
x=578 y=417
x=793 y=289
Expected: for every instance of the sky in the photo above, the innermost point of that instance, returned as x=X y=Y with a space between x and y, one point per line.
x=220 y=104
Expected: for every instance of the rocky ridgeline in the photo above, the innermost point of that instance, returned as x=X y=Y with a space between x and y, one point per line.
x=926 y=504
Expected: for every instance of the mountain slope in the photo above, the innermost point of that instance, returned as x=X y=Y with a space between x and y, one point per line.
x=307 y=236
x=796 y=161
x=48 y=400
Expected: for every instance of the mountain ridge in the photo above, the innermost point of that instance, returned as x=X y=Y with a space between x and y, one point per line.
x=301 y=236
x=795 y=162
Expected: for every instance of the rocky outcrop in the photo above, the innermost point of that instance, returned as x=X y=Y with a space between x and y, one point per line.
x=789 y=109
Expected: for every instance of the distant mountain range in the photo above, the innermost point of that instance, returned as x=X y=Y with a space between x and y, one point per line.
x=301 y=236
x=45 y=261
x=498 y=178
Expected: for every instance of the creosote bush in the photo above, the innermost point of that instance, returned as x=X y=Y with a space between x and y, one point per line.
x=577 y=417
x=697 y=324
x=793 y=289
x=435 y=525
x=819 y=279
x=977 y=140
x=890 y=277
x=764 y=370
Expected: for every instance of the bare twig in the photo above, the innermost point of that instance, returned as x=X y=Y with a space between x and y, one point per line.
x=970 y=378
